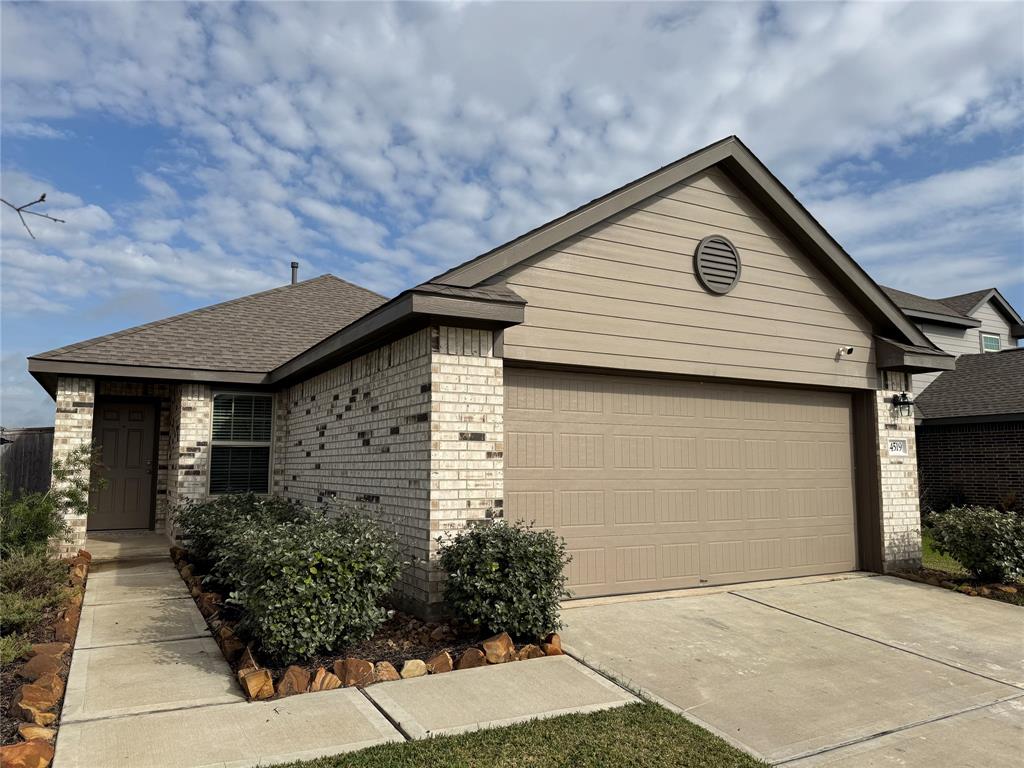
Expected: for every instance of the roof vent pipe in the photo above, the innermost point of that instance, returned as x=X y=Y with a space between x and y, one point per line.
x=295 y=272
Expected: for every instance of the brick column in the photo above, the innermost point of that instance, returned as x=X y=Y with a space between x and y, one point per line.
x=466 y=432
x=191 y=414
x=72 y=428
x=900 y=502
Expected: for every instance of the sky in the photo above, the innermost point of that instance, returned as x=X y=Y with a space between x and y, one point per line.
x=195 y=150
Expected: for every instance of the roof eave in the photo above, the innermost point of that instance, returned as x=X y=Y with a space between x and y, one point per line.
x=403 y=314
x=890 y=356
x=46 y=372
x=981 y=418
x=935 y=317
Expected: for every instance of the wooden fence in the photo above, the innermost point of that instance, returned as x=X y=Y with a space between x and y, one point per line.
x=25 y=456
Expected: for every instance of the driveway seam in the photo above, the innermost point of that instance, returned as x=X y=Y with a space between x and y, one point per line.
x=899 y=729
x=880 y=642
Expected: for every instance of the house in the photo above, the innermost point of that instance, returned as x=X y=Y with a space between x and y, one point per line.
x=970 y=439
x=687 y=378
x=966 y=324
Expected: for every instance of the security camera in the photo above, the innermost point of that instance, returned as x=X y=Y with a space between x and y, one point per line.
x=844 y=351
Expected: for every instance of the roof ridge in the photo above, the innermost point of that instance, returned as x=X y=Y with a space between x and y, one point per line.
x=59 y=351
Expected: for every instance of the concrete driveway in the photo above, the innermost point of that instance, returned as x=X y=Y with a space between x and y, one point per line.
x=864 y=671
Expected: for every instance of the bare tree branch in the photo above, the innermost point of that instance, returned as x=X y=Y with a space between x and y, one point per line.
x=20 y=209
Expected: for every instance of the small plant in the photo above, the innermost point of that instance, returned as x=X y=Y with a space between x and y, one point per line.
x=12 y=648
x=987 y=542
x=506 y=577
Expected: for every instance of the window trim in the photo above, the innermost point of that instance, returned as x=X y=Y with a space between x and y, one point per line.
x=981 y=340
x=244 y=443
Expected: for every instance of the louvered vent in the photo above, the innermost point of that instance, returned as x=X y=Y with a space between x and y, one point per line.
x=717 y=263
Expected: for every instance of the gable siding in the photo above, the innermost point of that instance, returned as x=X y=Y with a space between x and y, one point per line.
x=623 y=295
x=964 y=341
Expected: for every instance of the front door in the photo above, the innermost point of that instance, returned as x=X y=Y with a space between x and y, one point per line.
x=124 y=433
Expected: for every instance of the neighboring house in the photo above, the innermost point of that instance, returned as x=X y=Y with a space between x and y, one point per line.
x=970 y=442
x=967 y=324
x=687 y=378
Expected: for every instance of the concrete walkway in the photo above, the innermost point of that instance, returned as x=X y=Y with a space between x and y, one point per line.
x=149 y=688
x=855 y=672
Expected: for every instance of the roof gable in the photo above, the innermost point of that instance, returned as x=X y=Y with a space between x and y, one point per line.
x=969 y=303
x=740 y=164
x=251 y=334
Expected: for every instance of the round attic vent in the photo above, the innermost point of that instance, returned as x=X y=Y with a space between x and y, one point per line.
x=717 y=263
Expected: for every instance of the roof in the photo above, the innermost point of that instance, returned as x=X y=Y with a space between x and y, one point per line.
x=297 y=337
x=982 y=385
x=254 y=334
x=919 y=306
x=957 y=310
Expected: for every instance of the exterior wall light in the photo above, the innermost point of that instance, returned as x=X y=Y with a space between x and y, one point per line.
x=903 y=404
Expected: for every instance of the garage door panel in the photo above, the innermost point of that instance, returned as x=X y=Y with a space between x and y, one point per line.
x=658 y=484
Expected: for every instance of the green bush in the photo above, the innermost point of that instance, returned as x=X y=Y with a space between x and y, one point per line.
x=987 y=542
x=30 y=584
x=506 y=577
x=308 y=581
x=12 y=648
x=28 y=523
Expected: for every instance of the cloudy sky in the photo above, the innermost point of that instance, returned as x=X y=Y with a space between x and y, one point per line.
x=195 y=150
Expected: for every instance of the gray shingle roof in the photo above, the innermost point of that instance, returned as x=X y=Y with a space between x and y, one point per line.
x=965 y=302
x=910 y=302
x=253 y=333
x=987 y=384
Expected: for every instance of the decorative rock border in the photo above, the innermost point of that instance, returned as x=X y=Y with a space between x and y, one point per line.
x=958 y=584
x=37 y=703
x=258 y=683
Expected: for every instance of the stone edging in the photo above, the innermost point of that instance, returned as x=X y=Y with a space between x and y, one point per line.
x=957 y=584
x=258 y=684
x=37 y=703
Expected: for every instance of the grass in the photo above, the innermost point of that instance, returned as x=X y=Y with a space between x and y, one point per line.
x=934 y=560
x=634 y=735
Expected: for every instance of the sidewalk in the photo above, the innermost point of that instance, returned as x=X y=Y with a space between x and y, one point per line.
x=149 y=688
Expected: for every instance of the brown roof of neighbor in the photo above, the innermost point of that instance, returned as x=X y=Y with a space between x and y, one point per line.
x=911 y=302
x=255 y=333
x=986 y=384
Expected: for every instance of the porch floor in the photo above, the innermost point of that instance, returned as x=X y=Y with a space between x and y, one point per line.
x=108 y=546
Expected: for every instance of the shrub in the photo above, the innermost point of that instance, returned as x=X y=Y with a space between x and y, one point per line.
x=987 y=542
x=308 y=581
x=12 y=648
x=33 y=520
x=30 y=584
x=506 y=577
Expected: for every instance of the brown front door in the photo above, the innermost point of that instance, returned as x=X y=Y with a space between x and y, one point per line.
x=124 y=432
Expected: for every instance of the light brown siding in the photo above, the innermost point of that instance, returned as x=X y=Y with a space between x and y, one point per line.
x=964 y=341
x=623 y=295
x=660 y=484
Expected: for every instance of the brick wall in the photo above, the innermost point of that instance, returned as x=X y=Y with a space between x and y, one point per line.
x=412 y=431
x=190 y=417
x=466 y=432
x=971 y=464
x=901 y=514
x=72 y=428
x=360 y=432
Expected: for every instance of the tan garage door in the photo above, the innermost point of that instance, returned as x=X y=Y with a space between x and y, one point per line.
x=659 y=484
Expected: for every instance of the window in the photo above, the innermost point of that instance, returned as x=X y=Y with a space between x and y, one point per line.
x=990 y=342
x=240 y=451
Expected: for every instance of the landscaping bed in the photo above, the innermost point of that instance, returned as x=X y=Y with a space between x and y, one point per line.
x=401 y=647
x=33 y=681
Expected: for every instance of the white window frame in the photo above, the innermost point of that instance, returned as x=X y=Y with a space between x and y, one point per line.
x=244 y=443
x=982 y=335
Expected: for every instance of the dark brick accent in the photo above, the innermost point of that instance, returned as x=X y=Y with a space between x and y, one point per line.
x=495 y=454
x=395 y=430
x=368 y=499
x=970 y=464
x=336 y=397
x=366 y=441
x=476 y=437
x=424 y=388
x=361 y=435
x=374 y=408
x=81 y=404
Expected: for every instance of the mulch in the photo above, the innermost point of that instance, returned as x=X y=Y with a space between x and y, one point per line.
x=10 y=682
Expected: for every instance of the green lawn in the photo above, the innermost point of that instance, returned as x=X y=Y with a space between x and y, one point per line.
x=635 y=735
x=937 y=561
